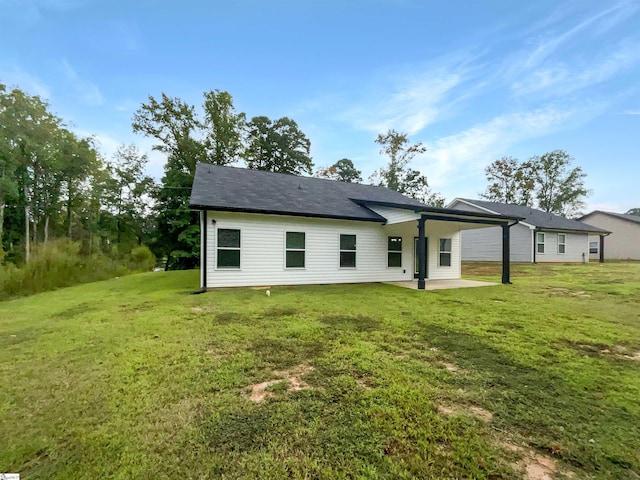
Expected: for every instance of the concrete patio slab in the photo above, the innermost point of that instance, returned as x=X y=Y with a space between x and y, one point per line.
x=443 y=284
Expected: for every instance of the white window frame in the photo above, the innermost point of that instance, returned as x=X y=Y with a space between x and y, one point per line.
x=597 y=252
x=340 y=251
x=239 y=248
x=303 y=250
x=449 y=252
x=563 y=243
x=544 y=239
x=394 y=251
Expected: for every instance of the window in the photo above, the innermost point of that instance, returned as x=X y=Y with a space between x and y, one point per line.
x=594 y=248
x=228 y=248
x=394 y=251
x=540 y=242
x=347 y=251
x=445 y=252
x=294 y=246
x=562 y=243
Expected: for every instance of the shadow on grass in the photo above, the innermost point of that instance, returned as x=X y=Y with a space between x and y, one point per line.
x=541 y=405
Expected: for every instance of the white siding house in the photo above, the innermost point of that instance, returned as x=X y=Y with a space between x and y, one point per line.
x=624 y=241
x=263 y=229
x=539 y=237
x=263 y=251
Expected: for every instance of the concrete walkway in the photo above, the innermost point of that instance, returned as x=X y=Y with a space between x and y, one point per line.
x=443 y=284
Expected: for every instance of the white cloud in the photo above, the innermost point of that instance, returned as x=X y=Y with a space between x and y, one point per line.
x=411 y=101
x=465 y=155
x=562 y=78
x=107 y=145
x=88 y=92
x=596 y=23
x=632 y=112
x=13 y=76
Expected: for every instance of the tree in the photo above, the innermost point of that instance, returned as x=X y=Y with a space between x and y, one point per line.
x=8 y=159
x=397 y=175
x=342 y=171
x=511 y=182
x=125 y=192
x=224 y=128
x=187 y=139
x=278 y=146
x=560 y=189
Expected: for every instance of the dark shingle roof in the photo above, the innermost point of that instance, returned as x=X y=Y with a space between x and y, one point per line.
x=622 y=216
x=242 y=190
x=535 y=217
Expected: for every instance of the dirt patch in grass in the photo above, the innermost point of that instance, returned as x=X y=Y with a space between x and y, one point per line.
x=450 y=367
x=286 y=381
x=450 y=409
x=535 y=465
x=602 y=350
x=567 y=292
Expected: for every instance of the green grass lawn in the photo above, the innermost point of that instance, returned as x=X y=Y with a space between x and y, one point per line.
x=136 y=378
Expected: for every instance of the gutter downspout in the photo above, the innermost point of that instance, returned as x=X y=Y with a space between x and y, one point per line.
x=535 y=244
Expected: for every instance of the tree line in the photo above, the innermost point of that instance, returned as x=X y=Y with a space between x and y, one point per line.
x=55 y=184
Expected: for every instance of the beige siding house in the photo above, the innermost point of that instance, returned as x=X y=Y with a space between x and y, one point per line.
x=539 y=237
x=263 y=228
x=624 y=241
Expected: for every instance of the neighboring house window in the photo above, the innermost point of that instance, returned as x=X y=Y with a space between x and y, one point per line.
x=540 y=242
x=594 y=248
x=295 y=249
x=445 y=252
x=347 y=251
x=562 y=243
x=394 y=251
x=228 y=248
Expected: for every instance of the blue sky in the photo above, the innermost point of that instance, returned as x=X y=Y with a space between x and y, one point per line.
x=472 y=80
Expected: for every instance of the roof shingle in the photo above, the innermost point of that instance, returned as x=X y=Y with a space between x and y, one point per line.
x=535 y=217
x=237 y=189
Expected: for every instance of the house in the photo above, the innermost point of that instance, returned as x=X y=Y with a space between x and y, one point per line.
x=263 y=228
x=624 y=241
x=539 y=237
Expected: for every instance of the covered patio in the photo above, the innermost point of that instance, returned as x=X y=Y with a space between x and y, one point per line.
x=443 y=224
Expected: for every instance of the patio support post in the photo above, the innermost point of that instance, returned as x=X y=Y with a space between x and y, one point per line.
x=422 y=253
x=506 y=260
x=601 y=248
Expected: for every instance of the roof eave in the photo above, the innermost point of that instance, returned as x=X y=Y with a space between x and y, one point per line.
x=377 y=218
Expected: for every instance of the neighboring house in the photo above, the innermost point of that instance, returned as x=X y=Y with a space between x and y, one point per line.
x=624 y=241
x=263 y=228
x=539 y=237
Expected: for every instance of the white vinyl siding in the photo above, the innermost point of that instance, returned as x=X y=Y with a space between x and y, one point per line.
x=485 y=244
x=263 y=250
